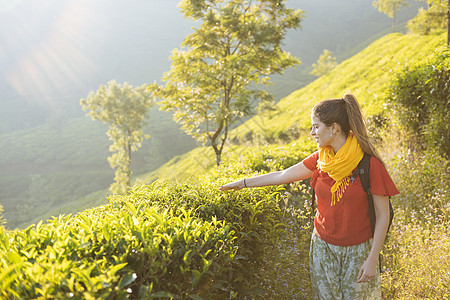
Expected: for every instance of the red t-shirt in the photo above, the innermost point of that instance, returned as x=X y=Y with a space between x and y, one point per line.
x=347 y=222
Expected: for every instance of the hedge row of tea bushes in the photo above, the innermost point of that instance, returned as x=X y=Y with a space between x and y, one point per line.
x=158 y=241
x=165 y=240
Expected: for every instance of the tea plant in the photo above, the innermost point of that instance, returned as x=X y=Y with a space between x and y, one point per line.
x=175 y=240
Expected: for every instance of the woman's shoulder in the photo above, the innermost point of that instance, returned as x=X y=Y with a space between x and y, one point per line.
x=311 y=161
x=376 y=163
x=381 y=182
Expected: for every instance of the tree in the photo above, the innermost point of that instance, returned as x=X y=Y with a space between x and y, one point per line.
x=216 y=78
x=325 y=63
x=124 y=109
x=431 y=20
x=390 y=8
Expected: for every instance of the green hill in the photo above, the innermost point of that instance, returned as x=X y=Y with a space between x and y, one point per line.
x=366 y=74
x=53 y=165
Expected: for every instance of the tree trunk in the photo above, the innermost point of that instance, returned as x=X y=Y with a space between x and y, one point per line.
x=218 y=158
x=448 y=23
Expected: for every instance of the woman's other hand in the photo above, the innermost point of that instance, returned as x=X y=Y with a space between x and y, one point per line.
x=368 y=271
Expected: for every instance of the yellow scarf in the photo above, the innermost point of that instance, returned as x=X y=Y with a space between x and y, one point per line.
x=339 y=166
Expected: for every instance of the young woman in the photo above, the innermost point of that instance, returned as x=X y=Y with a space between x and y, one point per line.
x=343 y=253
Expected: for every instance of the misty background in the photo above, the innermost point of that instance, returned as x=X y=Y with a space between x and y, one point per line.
x=54 y=52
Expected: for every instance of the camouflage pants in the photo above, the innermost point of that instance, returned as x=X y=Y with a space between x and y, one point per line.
x=334 y=270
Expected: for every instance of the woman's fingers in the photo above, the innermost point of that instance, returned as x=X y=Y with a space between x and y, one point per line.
x=230 y=186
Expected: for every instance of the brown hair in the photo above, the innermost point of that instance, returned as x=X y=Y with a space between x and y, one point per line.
x=348 y=114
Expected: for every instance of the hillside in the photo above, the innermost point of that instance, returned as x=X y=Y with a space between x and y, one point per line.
x=366 y=74
x=52 y=165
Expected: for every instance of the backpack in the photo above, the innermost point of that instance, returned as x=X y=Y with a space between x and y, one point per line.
x=363 y=171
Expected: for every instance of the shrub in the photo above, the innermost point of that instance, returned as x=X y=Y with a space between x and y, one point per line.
x=420 y=98
x=284 y=269
x=138 y=252
x=418 y=257
x=422 y=179
x=175 y=240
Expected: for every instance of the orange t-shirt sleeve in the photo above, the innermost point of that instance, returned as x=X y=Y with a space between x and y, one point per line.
x=380 y=181
x=311 y=161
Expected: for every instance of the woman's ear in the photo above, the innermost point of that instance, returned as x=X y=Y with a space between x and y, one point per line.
x=335 y=128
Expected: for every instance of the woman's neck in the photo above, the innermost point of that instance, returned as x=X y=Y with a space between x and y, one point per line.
x=338 y=142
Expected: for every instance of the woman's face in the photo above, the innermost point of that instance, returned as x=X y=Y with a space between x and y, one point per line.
x=321 y=132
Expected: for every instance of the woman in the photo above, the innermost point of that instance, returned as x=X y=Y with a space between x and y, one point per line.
x=343 y=253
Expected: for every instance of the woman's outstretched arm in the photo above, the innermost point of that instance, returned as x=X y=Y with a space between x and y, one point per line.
x=295 y=173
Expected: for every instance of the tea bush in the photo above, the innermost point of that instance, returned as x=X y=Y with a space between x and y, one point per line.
x=138 y=252
x=175 y=240
x=284 y=268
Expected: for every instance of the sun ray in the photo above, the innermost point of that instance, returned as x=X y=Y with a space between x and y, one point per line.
x=51 y=56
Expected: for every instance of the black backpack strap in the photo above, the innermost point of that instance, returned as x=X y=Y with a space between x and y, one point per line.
x=363 y=170
x=364 y=175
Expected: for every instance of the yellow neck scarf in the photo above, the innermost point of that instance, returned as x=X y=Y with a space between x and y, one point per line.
x=339 y=166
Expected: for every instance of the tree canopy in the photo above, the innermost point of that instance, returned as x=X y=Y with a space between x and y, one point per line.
x=325 y=63
x=431 y=20
x=124 y=109
x=216 y=77
x=390 y=8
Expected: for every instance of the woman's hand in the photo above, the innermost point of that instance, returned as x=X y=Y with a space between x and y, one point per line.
x=368 y=271
x=237 y=185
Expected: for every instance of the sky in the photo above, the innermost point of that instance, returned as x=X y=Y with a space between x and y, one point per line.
x=53 y=49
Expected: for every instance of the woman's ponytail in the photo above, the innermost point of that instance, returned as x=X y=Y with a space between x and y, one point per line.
x=358 y=125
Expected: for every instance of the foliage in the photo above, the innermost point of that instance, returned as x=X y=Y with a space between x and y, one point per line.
x=114 y=256
x=124 y=109
x=284 y=271
x=431 y=20
x=420 y=97
x=325 y=63
x=178 y=240
x=390 y=8
x=2 y=220
x=213 y=82
x=417 y=256
x=426 y=183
